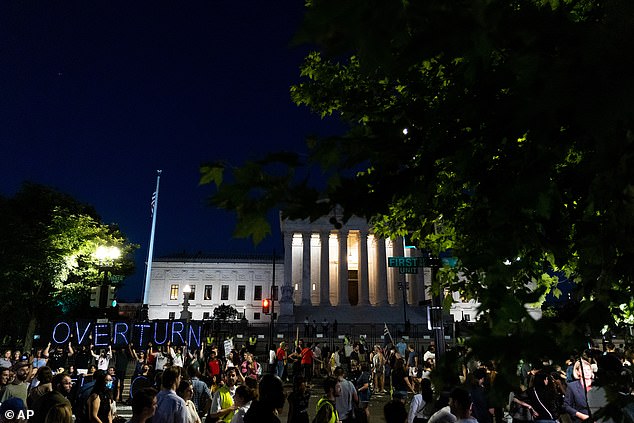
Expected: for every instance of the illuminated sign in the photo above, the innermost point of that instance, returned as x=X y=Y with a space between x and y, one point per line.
x=159 y=332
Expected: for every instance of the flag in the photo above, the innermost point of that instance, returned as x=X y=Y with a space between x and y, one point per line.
x=152 y=204
x=386 y=332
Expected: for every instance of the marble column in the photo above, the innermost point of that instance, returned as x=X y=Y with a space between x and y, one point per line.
x=288 y=259
x=306 y=268
x=364 y=281
x=343 y=268
x=416 y=282
x=324 y=269
x=286 y=302
x=399 y=251
x=381 y=272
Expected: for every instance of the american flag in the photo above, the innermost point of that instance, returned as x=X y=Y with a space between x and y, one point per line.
x=386 y=331
x=153 y=204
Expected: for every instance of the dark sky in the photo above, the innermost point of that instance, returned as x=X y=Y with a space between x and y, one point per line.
x=95 y=96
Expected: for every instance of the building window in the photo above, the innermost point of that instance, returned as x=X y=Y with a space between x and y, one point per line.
x=257 y=292
x=240 y=315
x=172 y=315
x=224 y=292
x=205 y=315
x=256 y=316
x=174 y=292
x=192 y=293
x=208 y=292
x=242 y=289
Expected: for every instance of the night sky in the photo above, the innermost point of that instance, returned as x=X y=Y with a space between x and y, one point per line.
x=95 y=96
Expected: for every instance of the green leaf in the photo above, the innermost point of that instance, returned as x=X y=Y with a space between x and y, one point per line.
x=211 y=173
x=253 y=226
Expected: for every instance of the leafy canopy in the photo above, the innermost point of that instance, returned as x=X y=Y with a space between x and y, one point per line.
x=47 y=244
x=500 y=129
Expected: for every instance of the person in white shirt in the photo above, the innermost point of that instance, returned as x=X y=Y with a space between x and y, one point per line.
x=103 y=358
x=317 y=363
x=242 y=399
x=162 y=356
x=442 y=416
x=185 y=390
x=422 y=406
x=177 y=356
x=430 y=354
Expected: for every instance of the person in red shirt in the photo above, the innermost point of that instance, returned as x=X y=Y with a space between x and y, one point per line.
x=213 y=367
x=280 y=355
x=307 y=362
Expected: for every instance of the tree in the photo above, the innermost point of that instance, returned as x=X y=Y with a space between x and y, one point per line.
x=502 y=130
x=47 y=245
x=225 y=312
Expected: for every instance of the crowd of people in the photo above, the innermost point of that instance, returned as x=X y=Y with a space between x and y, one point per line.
x=548 y=393
x=187 y=386
x=172 y=384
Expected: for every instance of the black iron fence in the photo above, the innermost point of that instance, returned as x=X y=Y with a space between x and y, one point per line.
x=240 y=331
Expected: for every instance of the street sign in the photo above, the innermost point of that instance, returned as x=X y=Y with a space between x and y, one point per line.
x=405 y=261
x=406 y=265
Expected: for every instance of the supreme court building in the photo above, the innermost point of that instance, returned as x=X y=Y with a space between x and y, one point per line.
x=325 y=272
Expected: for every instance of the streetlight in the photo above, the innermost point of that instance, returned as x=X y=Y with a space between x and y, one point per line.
x=106 y=256
x=404 y=286
x=185 y=313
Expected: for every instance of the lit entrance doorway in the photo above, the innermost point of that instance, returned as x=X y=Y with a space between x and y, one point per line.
x=353 y=287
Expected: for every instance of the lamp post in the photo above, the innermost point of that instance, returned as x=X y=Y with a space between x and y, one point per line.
x=273 y=298
x=185 y=313
x=404 y=286
x=436 y=312
x=106 y=256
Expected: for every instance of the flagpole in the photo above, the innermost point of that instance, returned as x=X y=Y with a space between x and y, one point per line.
x=148 y=267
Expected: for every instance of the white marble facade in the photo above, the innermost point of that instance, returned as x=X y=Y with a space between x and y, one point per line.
x=346 y=267
x=323 y=270
x=239 y=281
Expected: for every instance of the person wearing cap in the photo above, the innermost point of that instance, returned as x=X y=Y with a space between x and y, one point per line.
x=19 y=387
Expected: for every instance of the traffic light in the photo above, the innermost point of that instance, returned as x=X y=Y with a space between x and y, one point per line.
x=95 y=292
x=266 y=306
x=111 y=302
